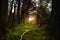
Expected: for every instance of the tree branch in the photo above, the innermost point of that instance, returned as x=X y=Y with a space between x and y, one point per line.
x=23 y=34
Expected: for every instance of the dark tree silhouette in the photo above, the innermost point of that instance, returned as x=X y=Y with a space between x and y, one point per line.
x=3 y=19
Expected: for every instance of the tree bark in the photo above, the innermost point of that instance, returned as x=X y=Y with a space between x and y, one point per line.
x=4 y=18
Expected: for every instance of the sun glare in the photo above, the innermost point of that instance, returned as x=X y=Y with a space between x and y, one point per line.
x=31 y=18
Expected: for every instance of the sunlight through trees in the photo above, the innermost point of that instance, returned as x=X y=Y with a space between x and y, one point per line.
x=27 y=19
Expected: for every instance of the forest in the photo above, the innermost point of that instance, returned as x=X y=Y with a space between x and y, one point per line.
x=25 y=19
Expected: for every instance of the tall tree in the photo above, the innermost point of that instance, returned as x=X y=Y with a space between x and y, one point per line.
x=18 y=12
x=4 y=18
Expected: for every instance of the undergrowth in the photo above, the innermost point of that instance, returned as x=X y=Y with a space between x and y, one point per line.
x=19 y=33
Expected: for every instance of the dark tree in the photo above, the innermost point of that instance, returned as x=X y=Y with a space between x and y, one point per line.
x=3 y=19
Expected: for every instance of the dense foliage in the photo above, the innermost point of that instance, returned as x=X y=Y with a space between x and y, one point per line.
x=33 y=33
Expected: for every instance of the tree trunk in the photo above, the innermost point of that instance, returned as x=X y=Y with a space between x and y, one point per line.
x=19 y=12
x=4 y=18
